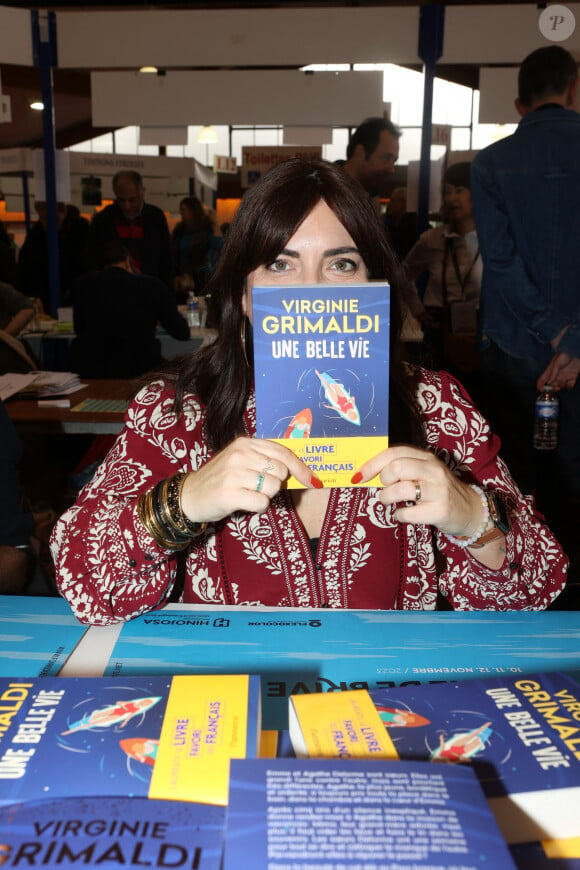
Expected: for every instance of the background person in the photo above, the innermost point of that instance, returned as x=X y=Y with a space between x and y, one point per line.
x=449 y=254
x=401 y=224
x=526 y=191
x=197 y=242
x=33 y=268
x=18 y=525
x=8 y=265
x=16 y=310
x=187 y=503
x=140 y=227
x=115 y=315
x=371 y=154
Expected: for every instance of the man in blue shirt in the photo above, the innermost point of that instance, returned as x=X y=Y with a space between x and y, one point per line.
x=526 y=198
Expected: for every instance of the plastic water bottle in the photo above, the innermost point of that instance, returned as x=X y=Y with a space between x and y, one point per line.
x=546 y=421
x=193 y=317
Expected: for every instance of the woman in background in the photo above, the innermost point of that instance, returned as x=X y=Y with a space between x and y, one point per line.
x=449 y=254
x=197 y=242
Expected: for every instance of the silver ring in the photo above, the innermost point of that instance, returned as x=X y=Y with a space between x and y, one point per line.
x=260 y=482
x=418 y=494
x=269 y=466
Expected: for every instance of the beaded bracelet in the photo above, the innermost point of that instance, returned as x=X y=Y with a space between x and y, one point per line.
x=176 y=510
x=463 y=542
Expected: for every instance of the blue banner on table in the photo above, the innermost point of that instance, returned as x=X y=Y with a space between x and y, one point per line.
x=321 y=364
x=37 y=634
x=323 y=650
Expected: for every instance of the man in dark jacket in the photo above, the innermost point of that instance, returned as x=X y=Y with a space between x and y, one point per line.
x=115 y=315
x=140 y=227
x=33 y=266
x=526 y=190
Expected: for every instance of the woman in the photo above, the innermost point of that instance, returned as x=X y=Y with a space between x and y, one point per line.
x=227 y=532
x=197 y=242
x=449 y=254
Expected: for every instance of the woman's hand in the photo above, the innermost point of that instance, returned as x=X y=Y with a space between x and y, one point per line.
x=245 y=476
x=425 y=490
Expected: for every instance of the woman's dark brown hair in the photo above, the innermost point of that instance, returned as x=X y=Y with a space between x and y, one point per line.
x=270 y=213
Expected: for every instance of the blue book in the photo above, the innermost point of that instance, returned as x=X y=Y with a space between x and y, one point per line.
x=301 y=651
x=521 y=736
x=111 y=832
x=37 y=634
x=339 y=814
x=160 y=737
x=321 y=364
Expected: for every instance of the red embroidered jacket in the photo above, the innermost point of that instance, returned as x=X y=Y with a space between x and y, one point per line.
x=110 y=569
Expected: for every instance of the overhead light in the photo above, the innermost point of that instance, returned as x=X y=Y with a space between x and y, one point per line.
x=37 y=106
x=148 y=69
x=207 y=135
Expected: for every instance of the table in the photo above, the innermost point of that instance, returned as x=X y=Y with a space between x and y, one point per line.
x=51 y=349
x=29 y=416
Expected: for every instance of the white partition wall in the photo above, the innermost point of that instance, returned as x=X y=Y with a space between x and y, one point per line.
x=235 y=97
x=498 y=34
x=15 y=36
x=483 y=35
x=236 y=37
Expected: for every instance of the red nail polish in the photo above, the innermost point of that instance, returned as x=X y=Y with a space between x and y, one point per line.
x=356 y=478
x=316 y=482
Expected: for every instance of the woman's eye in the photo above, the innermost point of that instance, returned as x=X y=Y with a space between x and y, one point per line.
x=344 y=265
x=278 y=266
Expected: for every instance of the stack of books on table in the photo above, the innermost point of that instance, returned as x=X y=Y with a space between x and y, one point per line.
x=169 y=771
x=46 y=384
x=38 y=385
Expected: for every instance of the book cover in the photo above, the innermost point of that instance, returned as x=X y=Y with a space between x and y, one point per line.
x=321 y=365
x=321 y=650
x=160 y=737
x=300 y=814
x=521 y=736
x=37 y=634
x=339 y=725
x=112 y=832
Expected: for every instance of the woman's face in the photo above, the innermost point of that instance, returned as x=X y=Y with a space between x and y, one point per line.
x=457 y=202
x=185 y=212
x=321 y=251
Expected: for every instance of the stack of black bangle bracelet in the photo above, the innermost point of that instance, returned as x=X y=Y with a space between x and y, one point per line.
x=161 y=513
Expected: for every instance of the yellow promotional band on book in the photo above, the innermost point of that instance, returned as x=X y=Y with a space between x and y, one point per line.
x=193 y=757
x=335 y=460
x=341 y=725
x=566 y=848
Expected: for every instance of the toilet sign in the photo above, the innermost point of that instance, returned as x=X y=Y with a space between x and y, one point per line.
x=258 y=159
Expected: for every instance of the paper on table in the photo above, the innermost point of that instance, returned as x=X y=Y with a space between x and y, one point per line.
x=39 y=384
x=51 y=383
x=13 y=383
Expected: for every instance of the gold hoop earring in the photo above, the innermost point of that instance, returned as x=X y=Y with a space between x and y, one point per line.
x=243 y=338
